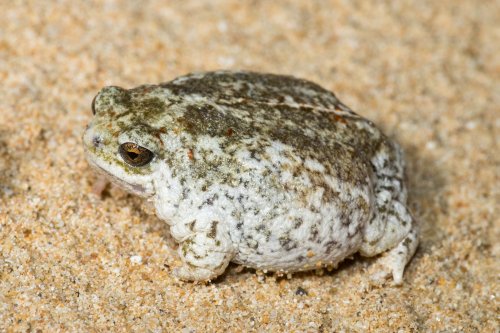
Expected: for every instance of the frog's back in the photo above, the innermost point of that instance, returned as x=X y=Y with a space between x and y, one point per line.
x=231 y=87
x=292 y=110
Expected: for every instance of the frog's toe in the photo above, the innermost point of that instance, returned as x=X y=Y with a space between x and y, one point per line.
x=394 y=261
x=389 y=264
x=191 y=273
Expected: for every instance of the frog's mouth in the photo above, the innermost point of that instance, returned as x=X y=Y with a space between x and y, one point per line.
x=134 y=188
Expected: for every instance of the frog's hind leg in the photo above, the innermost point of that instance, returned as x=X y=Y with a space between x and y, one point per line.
x=205 y=253
x=391 y=225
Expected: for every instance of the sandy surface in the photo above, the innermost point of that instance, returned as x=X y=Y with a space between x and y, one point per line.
x=427 y=72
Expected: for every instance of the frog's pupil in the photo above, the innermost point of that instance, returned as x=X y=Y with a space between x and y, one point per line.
x=132 y=155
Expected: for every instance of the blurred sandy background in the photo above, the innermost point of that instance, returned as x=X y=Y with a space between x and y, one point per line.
x=426 y=71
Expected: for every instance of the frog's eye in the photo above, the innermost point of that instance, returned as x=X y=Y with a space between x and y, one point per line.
x=135 y=155
x=93 y=105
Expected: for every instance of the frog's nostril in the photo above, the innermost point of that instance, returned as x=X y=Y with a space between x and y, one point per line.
x=96 y=141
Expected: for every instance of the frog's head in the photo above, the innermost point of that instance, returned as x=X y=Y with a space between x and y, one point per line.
x=121 y=142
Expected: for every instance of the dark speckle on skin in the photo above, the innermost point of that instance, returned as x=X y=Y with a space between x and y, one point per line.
x=213 y=229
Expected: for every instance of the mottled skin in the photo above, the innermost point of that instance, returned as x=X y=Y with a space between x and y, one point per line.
x=268 y=171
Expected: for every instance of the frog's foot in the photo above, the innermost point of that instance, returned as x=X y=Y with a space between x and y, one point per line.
x=205 y=254
x=191 y=273
x=394 y=261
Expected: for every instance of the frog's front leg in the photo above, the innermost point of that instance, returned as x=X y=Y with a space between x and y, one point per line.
x=205 y=252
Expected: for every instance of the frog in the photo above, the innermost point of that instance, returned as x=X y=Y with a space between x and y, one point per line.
x=268 y=171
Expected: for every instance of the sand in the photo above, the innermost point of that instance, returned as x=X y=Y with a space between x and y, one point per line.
x=427 y=72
